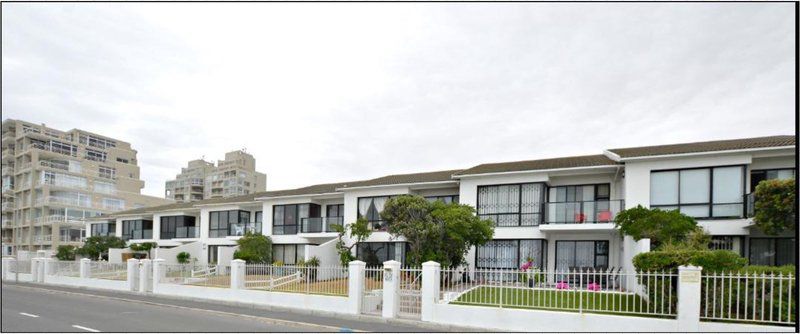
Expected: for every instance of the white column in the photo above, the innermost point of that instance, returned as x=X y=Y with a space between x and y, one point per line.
x=431 y=271
x=145 y=275
x=7 y=263
x=355 y=285
x=159 y=272
x=48 y=266
x=237 y=274
x=35 y=269
x=391 y=289
x=86 y=268
x=689 y=298
x=133 y=274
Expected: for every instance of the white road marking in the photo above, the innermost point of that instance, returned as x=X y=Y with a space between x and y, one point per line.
x=86 y=329
x=29 y=315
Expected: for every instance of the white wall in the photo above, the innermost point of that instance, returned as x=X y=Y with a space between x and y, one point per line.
x=225 y=255
x=170 y=255
x=115 y=254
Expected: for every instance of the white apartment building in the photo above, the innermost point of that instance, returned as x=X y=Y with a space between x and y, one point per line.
x=559 y=212
x=52 y=180
x=234 y=176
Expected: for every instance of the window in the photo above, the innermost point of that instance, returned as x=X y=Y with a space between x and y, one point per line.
x=288 y=253
x=725 y=242
x=772 y=251
x=95 y=155
x=511 y=254
x=699 y=192
x=447 y=199
x=287 y=218
x=105 y=187
x=579 y=204
x=107 y=172
x=125 y=161
x=113 y=204
x=63 y=148
x=376 y=253
x=96 y=141
x=258 y=221
x=178 y=227
x=228 y=223
x=756 y=176
x=370 y=208
x=104 y=229
x=137 y=229
x=511 y=205
x=334 y=210
x=581 y=254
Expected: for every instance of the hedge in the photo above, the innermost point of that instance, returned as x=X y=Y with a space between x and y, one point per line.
x=710 y=260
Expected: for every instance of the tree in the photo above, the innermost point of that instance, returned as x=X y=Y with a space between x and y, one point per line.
x=661 y=227
x=776 y=206
x=96 y=246
x=66 y=253
x=435 y=231
x=254 y=248
x=143 y=247
x=356 y=232
x=183 y=257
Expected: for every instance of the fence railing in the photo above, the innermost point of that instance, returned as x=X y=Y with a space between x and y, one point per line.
x=217 y=276
x=596 y=291
x=410 y=291
x=372 y=297
x=66 y=268
x=323 y=280
x=747 y=297
x=106 y=270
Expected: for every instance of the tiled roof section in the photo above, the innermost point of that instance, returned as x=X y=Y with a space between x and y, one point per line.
x=706 y=146
x=177 y=206
x=554 y=163
x=437 y=176
x=309 y=190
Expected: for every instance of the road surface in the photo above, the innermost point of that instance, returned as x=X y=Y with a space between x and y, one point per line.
x=41 y=308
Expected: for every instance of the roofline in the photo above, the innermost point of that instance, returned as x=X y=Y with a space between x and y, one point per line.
x=744 y=150
x=535 y=170
x=398 y=185
x=224 y=203
x=295 y=196
x=611 y=155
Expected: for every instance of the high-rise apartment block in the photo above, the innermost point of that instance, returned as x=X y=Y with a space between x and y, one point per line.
x=200 y=179
x=52 y=180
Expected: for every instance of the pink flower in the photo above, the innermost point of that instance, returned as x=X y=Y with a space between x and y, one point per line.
x=593 y=287
x=526 y=266
x=562 y=286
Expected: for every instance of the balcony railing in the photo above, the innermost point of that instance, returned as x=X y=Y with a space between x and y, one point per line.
x=513 y=219
x=8 y=170
x=56 y=219
x=585 y=212
x=70 y=238
x=139 y=234
x=56 y=165
x=42 y=238
x=8 y=223
x=64 y=184
x=187 y=232
x=64 y=201
x=238 y=230
x=319 y=224
x=8 y=206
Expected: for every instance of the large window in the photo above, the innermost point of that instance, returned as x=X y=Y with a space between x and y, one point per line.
x=227 y=223
x=447 y=199
x=137 y=229
x=334 y=215
x=288 y=253
x=699 y=192
x=178 y=227
x=104 y=229
x=756 y=176
x=511 y=254
x=370 y=208
x=772 y=251
x=727 y=242
x=286 y=218
x=375 y=253
x=581 y=204
x=578 y=255
x=511 y=205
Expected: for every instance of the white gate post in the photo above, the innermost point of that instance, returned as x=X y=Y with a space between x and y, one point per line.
x=86 y=268
x=145 y=276
x=391 y=289
x=689 y=298
x=7 y=268
x=34 y=269
x=355 y=282
x=237 y=274
x=159 y=272
x=133 y=274
x=431 y=273
x=47 y=264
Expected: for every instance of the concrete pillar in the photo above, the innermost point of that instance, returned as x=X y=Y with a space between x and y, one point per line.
x=689 y=298
x=355 y=285
x=48 y=268
x=7 y=263
x=391 y=289
x=431 y=273
x=133 y=274
x=35 y=269
x=86 y=268
x=159 y=272
x=237 y=274
x=145 y=276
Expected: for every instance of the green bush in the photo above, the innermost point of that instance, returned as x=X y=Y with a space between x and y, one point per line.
x=183 y=257
x=254 y=248
x=669 y=261
x=782 y=270
x=66 y=253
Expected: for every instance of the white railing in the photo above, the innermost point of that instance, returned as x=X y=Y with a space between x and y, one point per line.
x=110 y=271
x=372 y=298
x=42 y=238
x=56 y=219
x=50 y=164
x=410 y=291
x=70 y=238
x=66 y=268
x=327 y=280
x=749 y=297
x=592 y=290
x=20 y=267
x=216 y=276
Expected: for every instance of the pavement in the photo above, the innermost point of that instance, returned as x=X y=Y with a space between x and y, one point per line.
x=30 y=307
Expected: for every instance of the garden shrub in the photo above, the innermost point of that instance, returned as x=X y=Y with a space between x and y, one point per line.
x=66 y=253
x=669 y=261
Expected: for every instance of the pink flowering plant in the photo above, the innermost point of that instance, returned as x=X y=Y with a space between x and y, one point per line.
x=593 y=287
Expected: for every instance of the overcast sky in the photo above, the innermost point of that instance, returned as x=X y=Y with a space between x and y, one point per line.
x=338 y=92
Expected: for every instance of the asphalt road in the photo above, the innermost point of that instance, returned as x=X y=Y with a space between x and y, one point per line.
x=41 y=308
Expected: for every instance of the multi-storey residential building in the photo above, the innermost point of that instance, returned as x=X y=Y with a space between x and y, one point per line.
x=234 y=176
x=559 y=212
x=52 y=180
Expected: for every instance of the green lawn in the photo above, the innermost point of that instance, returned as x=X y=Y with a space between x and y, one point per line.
x=568 y=300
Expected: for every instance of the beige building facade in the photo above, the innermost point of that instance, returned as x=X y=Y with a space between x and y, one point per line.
x=52 y=180
x=234 y=176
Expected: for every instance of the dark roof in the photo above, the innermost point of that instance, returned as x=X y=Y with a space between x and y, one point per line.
x=309 y=190
x=554 y=163
x=437 y=176
x=186 y=205
x=706 y=146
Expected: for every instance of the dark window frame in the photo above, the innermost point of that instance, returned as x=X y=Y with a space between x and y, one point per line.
x=774 y=246
x=540 y=213
x=130 y=227
x=373 y=222
x=453 y=198
x=543 y=254
x=170 y=225
x=284 y=246
x=710 y=202
x=292 y=226
x=241 y=217
x=406 y=247
x=594 y=250
x=765 y=171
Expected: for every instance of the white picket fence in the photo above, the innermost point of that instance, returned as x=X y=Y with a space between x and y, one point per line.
x=749 y=297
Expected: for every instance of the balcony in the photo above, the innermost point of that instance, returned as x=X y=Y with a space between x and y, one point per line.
x=8 y=206
x=584 y=215
x=54 y=165
x=139 y=235
x=42 y=238
x=64 y=201
x=64 y=184
x=319 y=224
x=186 y=232
x=7 y=240
x=56 y=219
x=7 y=223
x=8 y=170
x=70 y=238
x=238 y=230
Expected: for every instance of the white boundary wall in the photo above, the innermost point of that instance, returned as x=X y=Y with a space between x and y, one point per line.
x=95 y=283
